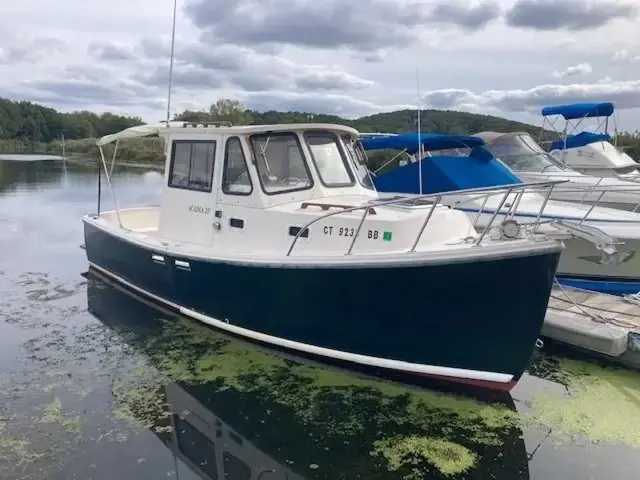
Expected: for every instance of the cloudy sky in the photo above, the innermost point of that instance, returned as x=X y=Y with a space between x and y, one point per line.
x=500 y=57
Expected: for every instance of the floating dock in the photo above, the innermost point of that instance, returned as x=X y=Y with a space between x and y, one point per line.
x=605 y=325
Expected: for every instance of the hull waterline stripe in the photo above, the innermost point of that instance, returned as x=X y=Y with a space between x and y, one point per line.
x=322 y=351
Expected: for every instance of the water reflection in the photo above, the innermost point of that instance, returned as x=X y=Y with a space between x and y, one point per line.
x=104 y=399
x=208 y=445
x=211 y=397
x=17 y=174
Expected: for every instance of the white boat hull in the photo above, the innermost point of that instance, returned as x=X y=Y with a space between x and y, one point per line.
x=603 y=192
x=581 y=263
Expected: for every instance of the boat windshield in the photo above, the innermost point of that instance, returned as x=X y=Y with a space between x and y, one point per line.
x=358 y=159
x=328 y=157
x=521 y=153
x=280 y=162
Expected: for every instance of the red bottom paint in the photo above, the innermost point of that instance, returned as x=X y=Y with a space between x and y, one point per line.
x=475 y=383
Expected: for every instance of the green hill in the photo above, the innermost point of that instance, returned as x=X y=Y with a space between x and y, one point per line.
x=439 y=121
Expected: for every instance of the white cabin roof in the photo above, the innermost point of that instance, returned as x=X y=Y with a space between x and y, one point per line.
x=196 y=127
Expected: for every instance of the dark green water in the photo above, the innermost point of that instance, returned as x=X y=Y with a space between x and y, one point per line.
x=97 y=384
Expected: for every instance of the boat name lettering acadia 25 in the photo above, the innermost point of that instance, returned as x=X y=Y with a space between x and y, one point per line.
x=199 y=209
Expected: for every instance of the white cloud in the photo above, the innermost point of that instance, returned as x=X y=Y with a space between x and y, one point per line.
x=333 y=56
x=625 y=56
x=624 y=94
x=579 y=70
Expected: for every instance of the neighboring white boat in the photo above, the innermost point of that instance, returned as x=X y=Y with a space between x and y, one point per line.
x=581 y=265
x=531 y=163
x=589 y=152
x=275 y=233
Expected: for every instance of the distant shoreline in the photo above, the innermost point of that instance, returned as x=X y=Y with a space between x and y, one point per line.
x=28 y=157
x=138 y=151
x=76 y=159
x=83 y=161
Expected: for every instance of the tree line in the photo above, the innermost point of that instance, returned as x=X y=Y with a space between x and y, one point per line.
x=27 y=127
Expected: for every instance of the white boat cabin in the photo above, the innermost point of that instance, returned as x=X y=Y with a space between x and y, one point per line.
x=232 y=176
x=248 y=190
x=599 y=158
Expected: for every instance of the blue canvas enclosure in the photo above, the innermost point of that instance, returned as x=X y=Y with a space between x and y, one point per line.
x=429 y=141
x=579 y=140
x=441 y=173
x=580 y=110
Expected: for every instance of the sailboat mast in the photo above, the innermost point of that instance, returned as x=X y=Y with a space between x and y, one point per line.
x=173 y=42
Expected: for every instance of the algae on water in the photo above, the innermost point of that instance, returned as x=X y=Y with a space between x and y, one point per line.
x=603 y=405
x=439 y=431
x=53 y=414
x=418 y=454
x=187 y=352
x=16 y=450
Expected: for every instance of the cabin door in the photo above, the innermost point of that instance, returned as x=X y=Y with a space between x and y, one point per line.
x=189 y=201
x=238 y=204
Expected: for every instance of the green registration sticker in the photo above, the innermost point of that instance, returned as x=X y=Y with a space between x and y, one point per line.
x=386 y=236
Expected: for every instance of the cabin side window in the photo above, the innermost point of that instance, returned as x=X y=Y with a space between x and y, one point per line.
x=280 y=163
x=192 y=164
x=329 y=159
x=235 y=175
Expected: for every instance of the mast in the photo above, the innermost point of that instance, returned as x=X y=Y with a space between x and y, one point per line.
x=173 y=42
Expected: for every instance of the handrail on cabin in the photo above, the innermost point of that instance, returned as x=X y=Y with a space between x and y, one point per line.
x=518 y=187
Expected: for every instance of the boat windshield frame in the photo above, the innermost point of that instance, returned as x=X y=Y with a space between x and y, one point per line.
x=529 y=154
x=272 y=184
x=340 y=160
x=358 y=157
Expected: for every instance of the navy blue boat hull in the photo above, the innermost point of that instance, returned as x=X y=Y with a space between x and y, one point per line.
x=483 y=316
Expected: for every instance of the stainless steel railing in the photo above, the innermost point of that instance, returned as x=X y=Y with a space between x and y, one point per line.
x=602 y=190
x=506 y=190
